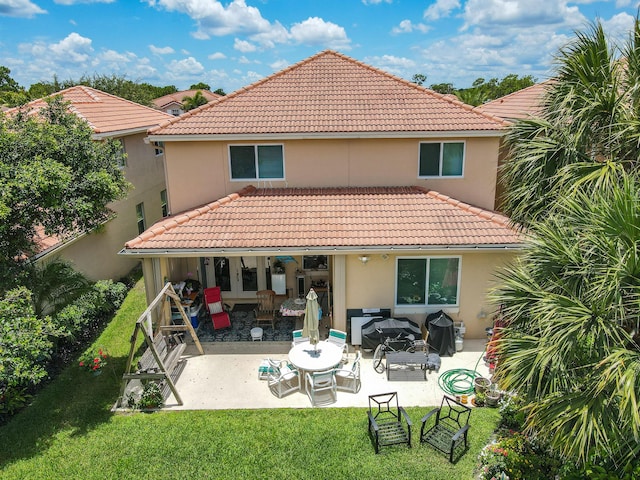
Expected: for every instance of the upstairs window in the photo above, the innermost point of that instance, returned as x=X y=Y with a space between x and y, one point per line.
x=441 y=159
x=140 y=218
x=158 y=148
x=121 y=155
x=256 y=162
x=163 y=203
x=427 y=281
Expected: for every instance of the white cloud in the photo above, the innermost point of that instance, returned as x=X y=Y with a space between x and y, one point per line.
x=279 y=65
x=72 y=49
x=406 y=26
x=75 y=2
x=392 y=64
x=217 y=56
x=161 y=50
x=111 y=56
x=619 y=26
x=316 y=31
x=243 y=59
x=187 y=66
x=19 y=8
x=244 y=46
x=376 y=2
x=622 y=3
x=532 y=14
x=213 y=18
x=441 y=8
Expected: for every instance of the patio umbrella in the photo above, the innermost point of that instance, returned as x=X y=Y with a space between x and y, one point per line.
x=310 y=326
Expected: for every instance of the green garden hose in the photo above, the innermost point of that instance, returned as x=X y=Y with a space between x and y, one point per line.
x=459 y=381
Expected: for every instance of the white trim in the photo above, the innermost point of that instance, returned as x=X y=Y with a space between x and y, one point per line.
x=119 y=133
x=351 y=250
x=325 y=136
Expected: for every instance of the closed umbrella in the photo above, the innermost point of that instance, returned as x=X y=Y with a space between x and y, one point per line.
x=310 y=327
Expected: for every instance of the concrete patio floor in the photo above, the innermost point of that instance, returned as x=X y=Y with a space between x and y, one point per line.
x=226 y=377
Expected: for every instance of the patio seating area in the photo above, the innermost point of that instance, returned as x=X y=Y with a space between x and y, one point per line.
x=226 y=377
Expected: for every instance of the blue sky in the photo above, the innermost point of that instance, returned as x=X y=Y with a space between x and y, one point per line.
x=231 y=44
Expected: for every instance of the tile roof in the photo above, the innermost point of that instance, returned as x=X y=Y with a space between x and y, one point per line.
x=517 y=105
x=291 y=218
x=105 y=113
x=177 y=97
x=331 y=93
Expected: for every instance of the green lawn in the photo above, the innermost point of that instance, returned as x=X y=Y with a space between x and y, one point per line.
x=69 y=432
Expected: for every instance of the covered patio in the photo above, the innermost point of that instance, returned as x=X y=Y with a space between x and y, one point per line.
x=226 y=377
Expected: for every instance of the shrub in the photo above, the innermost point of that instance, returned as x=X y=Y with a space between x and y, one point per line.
x=512 y=412
x=517 y=456
x=25 y=348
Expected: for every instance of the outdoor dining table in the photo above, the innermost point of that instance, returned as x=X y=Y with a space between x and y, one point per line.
x=293 y=307
x=306 y=358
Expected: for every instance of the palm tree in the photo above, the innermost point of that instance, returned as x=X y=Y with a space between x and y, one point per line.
x=572 y=301
x=588 y=129
x=571 y=347
x=198 y=99
x=54 y=285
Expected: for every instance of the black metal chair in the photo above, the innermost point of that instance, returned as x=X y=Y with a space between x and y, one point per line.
x=389 y=423
x=447 y=431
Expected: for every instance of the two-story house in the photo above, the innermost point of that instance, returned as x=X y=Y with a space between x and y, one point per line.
x=379 y=187
x=96 y=253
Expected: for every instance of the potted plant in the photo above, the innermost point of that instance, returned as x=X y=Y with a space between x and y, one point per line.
x=481 y=384
x=480 y=399
x=151 y=397
x=493 y=396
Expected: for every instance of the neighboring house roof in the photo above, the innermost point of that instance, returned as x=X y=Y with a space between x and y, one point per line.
x=342 y=218
x=106 y=114
x=517 y=105
x=330 y=93
x=177 y=97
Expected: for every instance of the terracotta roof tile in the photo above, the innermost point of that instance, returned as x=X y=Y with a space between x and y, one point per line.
x=329 y=217
x=517 y=105
x=105 y=113
x=330 y=93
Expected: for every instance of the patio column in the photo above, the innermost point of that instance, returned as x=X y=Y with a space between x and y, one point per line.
x=338 y=292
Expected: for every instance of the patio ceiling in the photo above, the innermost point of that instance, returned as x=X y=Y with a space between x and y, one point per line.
x=326 y=219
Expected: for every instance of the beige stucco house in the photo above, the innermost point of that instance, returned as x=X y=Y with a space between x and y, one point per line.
x=96 y=253
x=172 y=102
x=352 y=177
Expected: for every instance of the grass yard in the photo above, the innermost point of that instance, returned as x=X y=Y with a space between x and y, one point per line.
x=69 y=432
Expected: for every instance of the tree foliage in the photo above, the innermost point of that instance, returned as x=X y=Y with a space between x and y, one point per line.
x=482 y=91
x=198 y=99
x=573 y=307
x=200 y=86
x=52 y=175
x=572 y=303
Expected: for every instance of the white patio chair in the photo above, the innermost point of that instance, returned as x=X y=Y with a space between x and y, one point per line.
x=283 y=379
x=321 y=387
x=339 y=338
x=348 y=379
x=298 y=338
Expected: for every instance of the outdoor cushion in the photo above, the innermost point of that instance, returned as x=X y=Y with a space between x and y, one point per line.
x=215 y=307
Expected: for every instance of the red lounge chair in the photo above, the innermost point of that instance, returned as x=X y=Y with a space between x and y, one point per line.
x=213 y=304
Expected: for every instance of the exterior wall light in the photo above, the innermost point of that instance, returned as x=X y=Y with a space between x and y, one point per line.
x=364 y=259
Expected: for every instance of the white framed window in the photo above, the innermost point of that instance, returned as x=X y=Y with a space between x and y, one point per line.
x=163 y=203
x=441 y=159
x=256 y=162
x=428 y=281
x=121 y=155
x=158 y=148
x=140 y=218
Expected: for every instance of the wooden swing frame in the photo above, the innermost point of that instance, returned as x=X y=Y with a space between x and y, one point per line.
x=164 y=347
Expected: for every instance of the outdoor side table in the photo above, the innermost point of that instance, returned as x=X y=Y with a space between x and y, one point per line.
x=407 y=365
